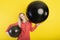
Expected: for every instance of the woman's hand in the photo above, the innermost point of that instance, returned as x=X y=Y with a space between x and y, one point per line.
x=7 y=33
x=38 y=24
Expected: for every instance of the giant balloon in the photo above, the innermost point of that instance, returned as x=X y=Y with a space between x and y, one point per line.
x=37 y=11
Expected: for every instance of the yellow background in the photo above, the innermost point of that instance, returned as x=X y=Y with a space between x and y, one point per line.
x=48 y=30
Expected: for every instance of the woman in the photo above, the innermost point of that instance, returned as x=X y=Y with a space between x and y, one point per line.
x=26 y=26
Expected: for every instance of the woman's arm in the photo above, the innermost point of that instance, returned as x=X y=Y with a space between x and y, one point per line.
x=19 y=22
x=33 y=28
x=11 y=26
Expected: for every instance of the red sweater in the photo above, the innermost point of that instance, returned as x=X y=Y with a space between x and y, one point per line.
x=26 y=28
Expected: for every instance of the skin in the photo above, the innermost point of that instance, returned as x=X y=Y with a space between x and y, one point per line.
x=23 y=17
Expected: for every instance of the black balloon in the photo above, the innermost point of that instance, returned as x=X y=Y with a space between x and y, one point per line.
x=14 y=31
x=37 y=11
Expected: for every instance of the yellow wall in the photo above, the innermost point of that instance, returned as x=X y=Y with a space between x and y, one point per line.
x=48 y=30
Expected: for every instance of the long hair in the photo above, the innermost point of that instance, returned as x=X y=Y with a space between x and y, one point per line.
x=20 y=17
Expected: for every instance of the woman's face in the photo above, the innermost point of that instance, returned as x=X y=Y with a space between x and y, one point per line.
x=22 y=16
